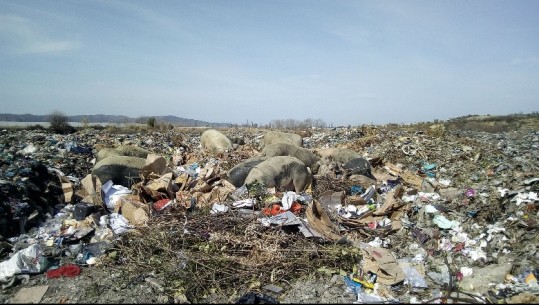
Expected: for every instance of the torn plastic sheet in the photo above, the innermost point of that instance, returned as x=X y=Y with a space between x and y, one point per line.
x=239 y=193
x=363 y=297
x=502 y=191
x=444 y=182
x=428 y=196
x=444 y=244
x=431 y=209
x=429 y=166
x=525 y=197
x=28 y=150
x=477 y=253
x=379 y=243
x=28 y=260
x=459 y=237
x=493 y=229
x=245 y=203
x=414 y=278
x=352 y=211
x=218 y=208
x=112 y=193
x=408 y=198
x=289 y=219
x=444 y=223
x=369 y=193
x=119 y=224
x=289 y=198
x=530 y=181
x=284 y=219
x=439 y=278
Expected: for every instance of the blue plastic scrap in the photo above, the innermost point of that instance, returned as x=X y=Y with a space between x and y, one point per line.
x=353 y=285
x=356 y=189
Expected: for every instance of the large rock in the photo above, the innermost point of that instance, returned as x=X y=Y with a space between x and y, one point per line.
x=303 y=154
x=339 y=155
x=284 y=172
x=273 y=137
x=358 y=166
x=122 y=150
x=214 y=140
x=121 y=170
x=238 y=173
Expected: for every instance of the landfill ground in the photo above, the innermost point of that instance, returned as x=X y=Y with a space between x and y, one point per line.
x=451 y=217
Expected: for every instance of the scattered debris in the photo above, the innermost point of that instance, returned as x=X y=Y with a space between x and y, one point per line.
x=381 y=215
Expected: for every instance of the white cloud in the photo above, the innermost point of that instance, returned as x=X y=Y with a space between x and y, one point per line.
x=19 y=35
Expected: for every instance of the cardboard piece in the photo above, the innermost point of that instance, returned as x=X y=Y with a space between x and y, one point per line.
x=396 y=223
x=214 y=195
x=391 y=202
x=163 y=184
x=183 y=180
x=357 y=200
x=30 y=295
x=134 y=211
x=67 y=188
x=390 y=171
x=319 y=220
x=330 y=200
x=381 y=262
x=155 y=164
x=88 y=191
x=209 y=171
x=362 y=181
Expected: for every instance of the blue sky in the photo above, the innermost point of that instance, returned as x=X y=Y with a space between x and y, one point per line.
x=346 y=62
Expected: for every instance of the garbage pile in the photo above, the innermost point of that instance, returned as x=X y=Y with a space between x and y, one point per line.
x=398 y=216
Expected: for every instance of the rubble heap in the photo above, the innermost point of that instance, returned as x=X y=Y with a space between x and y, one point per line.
x=429 y=218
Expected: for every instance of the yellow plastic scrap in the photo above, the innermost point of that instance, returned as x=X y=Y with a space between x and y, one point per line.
x=365 y=284
x=531 y=280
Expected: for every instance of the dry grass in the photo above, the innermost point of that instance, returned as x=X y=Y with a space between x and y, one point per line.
x=225 y=254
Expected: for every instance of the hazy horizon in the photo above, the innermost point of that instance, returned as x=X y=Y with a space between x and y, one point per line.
x=345 y=62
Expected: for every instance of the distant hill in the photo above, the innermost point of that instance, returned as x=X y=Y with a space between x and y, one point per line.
x=105 y=118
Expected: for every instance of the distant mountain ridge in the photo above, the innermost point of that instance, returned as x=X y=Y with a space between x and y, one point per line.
x=106 y=118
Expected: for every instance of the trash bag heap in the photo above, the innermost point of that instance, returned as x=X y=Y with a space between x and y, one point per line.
x=394 y=215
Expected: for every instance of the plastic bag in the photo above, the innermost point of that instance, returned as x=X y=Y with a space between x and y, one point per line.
x=28 y=260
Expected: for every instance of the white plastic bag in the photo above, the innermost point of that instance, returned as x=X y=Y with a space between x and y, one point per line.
x=28 y=260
